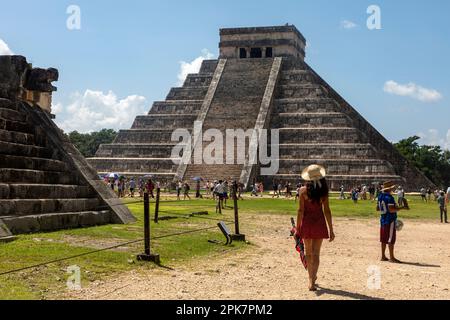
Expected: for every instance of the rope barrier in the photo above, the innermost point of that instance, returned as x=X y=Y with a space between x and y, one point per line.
x=104 y=249
x=147 y=239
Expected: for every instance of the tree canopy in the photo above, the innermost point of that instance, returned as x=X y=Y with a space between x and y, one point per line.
x=431 y=160
x=88 y=143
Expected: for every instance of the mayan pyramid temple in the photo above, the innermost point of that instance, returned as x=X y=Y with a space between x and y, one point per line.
x=45 y=183
x=260 y=81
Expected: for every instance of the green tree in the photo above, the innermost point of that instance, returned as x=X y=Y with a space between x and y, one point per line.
x=431 y=160
x=88 y=143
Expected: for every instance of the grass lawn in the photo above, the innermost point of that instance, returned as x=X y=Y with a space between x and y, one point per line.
x=48 y=281
x=340 y=208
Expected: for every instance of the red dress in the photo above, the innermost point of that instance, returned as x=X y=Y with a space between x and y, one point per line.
x=314 y=225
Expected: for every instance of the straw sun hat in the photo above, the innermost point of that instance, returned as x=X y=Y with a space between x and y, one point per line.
x=314 y=173
x=388 y=186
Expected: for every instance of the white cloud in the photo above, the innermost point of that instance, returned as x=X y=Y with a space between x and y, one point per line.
x=193 y=66
x=412 y=90
x=433 y=138
x=347 y=24
x=4 y=49
x=95 y=110
x=57 y=108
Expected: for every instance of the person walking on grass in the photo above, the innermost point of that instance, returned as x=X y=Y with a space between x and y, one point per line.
x=423 y=194
x=388 y=231
x=401 y=197
x=297 y=194
x=443 y=207
x=240 y=190
x=314 y=221
x=219 y=192
x=187 y=188
x=342 y=194
x=255 y=189
x=275 y=190
x=226 y=190
x=355 y=195
x=132 y=187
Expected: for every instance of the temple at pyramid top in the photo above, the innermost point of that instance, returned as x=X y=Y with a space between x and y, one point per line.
x=262 y=42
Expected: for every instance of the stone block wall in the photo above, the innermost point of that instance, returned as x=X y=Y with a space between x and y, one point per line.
x=45 y=183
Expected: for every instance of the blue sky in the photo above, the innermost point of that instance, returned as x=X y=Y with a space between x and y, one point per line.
x=129 y=53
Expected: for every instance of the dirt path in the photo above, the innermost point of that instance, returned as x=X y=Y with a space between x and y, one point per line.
x=271 y=268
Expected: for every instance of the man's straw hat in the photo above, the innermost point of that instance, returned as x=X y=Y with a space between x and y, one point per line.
x=388 y=186
x=314 y=173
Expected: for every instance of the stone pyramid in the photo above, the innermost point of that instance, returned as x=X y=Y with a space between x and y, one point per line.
x=260 y=81
x=45 y=183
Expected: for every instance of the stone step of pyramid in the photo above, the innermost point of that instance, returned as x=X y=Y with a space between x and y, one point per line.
x=214 y=172
x=17 y=137
x=121 y=165
x=305 y=120
x=8 y=175
x=198 y=80
x=43 y=191
x=339 y=166
x=56 y=221
x=294 y=64
x=321 y=135
x=7 y=104
x=21 y=207
x=145 y=136
x=30 y=163
x=328 y=151
x=164 y=121
x=176 y=107
x=16 y=126
x=302 y=91
x=208 y=66
x=136 y=150
x=304 y=105
x=25 y=150
x=12 y=115
x=187 y=93
x=288 y=77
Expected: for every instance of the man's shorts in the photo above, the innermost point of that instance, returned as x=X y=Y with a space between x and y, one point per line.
x=388 y=234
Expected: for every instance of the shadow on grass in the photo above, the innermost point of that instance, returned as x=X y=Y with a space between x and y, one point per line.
x=159 y=265
x=345 y=294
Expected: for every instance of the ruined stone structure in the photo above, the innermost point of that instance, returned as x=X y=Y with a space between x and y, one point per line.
x=45 y=183
x=260 y=81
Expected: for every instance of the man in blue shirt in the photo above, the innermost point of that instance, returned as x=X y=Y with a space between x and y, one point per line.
x=388 y=208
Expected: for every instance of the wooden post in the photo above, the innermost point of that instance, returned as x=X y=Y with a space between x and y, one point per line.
x=147 y=256
x=237 y=236
x=158 y=195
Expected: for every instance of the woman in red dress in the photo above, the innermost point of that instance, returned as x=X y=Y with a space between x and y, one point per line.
x=314 y=222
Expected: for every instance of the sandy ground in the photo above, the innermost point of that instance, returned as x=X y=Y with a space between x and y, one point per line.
x=270 y=268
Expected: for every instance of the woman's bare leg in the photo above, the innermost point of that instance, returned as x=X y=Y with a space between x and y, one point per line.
x=317 y=246
x=310 y=260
